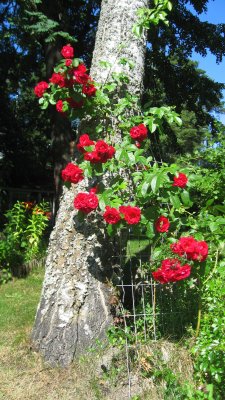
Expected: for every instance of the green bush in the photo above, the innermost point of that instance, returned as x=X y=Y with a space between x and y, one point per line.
x=22 y=237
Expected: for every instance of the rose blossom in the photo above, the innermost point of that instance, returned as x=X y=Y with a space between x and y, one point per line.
x=40 y=88
x=68 y=62
x=67 y=51
x=180 y=180
x=111 y=215
x=162 y=224
x=59 y=106
x=139 y=132
x=86 y=202
x=171 y=271
x=57 y=79
x=93 y=157
x=84 y=141
x=131 y=214
x=89 y=90
x=191 y=248
x=72 y=173
x=80 y=74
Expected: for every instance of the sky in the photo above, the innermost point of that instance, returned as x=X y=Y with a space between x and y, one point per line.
x=215 y=14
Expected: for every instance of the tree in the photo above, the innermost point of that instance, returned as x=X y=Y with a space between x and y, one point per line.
x=75 y=309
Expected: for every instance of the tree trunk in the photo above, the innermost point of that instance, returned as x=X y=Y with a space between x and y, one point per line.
x=75 y=307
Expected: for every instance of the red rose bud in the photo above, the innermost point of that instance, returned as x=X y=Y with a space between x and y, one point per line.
x=67 y=51
x=139 y=132
x=72 y=173
x=86 y=202
x=59 y=106
x=138 y=145
x=89 y=90
x=68 y=62
x=41 y=88
x=180 y=180
x=132 y=215
x=111 y=215
x=94 y=190
x=162 y=224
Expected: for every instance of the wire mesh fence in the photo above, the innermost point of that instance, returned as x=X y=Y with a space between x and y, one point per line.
x=147 y=310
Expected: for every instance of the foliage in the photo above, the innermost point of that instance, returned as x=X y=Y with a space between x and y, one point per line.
x=22 y=237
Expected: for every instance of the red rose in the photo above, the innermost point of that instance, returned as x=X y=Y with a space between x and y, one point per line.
x=93 y=157
x=180 y=180
x=111 y=215
x=68 y=62
x=171 y=271
x=67 y=51
x=40 y=88
x=72 y=173
x=201 y=251
x=80 y=74
x=59 y=106
x=139 y=132
x=89 y=90
x=162 y=224
x=102 y=153
x=57 y=79
x=84 y=141
x=191 y=248
x=131 y=214
x=86 y=202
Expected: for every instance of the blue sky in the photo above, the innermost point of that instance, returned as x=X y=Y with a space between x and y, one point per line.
x=215 y=14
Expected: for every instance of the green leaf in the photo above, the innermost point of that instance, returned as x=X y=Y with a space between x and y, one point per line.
x=175 y=201
x=144 y=188
x=155 y=183
x=186 y=198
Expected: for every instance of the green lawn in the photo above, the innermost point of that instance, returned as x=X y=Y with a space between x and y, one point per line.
x=18 y=304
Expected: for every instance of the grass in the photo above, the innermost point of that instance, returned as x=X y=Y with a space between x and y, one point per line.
x=24 y=375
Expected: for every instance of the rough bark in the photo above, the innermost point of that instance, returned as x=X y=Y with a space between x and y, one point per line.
x=75 y=307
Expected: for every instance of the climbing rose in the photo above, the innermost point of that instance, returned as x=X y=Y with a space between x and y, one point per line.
x=40 y=88
x=111 y=215
x=59 y=106
x=72 y=173
x=171 y=270
x=89 y=90
x=139 y=132
x=68 y=62
x=190 y=248
x=57 y=79
x=84 y=141
x=101 y=153
x=162 y=224
x=67 y=51
x=180 y=180
x=80 y=74
x=86 y=202
x=131 y=214
x=93 y=157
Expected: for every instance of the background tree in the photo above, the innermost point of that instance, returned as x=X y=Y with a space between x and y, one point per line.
x=32 y=34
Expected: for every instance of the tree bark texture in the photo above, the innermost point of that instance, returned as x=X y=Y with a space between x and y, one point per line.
x=75 y=308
